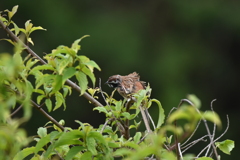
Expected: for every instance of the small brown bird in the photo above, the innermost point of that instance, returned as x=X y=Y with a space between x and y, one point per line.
x=126 y=85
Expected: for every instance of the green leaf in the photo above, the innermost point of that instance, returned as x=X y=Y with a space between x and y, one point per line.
x=57 y=83
x=127 y=115
x=36 y=28
x=82 y=81
x=213 y=117
x=86 y=156
x=24 y=153
x=75 y=45
x=161 y=115
x=73 y=151
x=59 y=101
x=89 y=74
x=68 y=73
x=137 y=137
x=48 y=103
x=204 y=158
x=101 y=109
x=196 y=101
x=91 y=144
x=42 y=142
x=42 y=132
x=39 y=98
x=11 y=13
x=226 y=146
x=91 y=65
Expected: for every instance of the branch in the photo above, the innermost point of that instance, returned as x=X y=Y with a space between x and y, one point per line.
x=47 y=115
x=30 y=51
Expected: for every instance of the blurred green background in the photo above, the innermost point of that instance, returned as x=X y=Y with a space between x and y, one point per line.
x=179 y=47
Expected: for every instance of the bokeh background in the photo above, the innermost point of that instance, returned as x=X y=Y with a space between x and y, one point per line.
x=179 y=47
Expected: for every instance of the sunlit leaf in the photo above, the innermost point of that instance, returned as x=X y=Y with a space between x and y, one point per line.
x=196 y=101
x=75 y=45
x=213 y=117
x=137 y=137
x=36 y=28
x=226 y=146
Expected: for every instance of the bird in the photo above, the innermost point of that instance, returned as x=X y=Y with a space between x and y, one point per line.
x=126 y=85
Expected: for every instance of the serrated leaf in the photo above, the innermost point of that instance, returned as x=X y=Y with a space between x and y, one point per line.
x=57 y=83
x=90 y=75
x=59 y=100
x=91 y=65
x=39 y=98
x=226 y=146
x=24 y=153
x=68 y=73
x=48 y=103
x=42 y=132
x=213 y=117
x=73 y=151
x=82 y=81
x=75 y=45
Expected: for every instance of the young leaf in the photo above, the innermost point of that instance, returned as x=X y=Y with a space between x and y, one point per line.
x=196 y=101
x=137 y=137
x=59 y=101
x=42 y=132
x=225 y=146
x=213 y=117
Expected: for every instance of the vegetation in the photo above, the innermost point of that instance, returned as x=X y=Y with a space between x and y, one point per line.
x=119 y=137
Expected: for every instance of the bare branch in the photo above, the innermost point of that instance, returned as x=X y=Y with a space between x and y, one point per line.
x=14 y=112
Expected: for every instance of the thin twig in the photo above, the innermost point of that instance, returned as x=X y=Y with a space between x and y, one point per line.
x=214 y=129
x=18 y=109
x=193 y=143
x=216 y=138
x=179 y=151
x=105 y=124
x=30 y=51
x=47 y=115
x=191 y=134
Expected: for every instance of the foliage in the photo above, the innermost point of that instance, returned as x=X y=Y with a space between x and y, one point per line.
x=119 y=136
